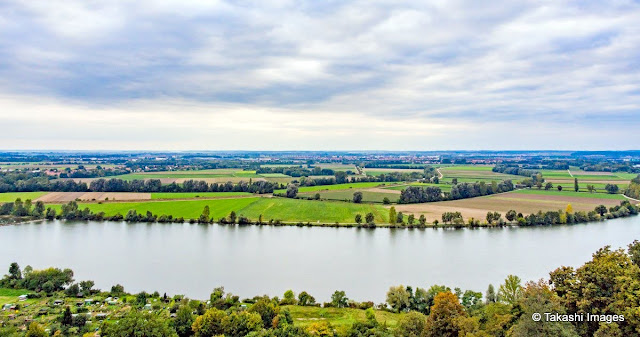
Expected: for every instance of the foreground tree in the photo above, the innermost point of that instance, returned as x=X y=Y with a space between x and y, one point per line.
x=537 y=298
x=443 y=319
x=209 y=324
x=135 y=323
x=511 y=290
x=339 y=299
x=411 y=325
x=399 y=298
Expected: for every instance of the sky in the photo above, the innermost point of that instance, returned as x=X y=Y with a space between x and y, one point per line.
x=319 y=75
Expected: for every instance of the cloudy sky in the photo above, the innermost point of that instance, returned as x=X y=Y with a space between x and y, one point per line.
x=319 y=75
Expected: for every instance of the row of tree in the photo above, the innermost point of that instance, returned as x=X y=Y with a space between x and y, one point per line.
x=418 y=194
x=605 y=288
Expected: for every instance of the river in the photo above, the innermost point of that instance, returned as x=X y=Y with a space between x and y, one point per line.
x=251 y=260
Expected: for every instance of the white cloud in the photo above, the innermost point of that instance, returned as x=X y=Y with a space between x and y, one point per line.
x=357 y=74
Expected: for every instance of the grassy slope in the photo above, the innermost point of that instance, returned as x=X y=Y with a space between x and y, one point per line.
x=191 y=195
x=12 y=196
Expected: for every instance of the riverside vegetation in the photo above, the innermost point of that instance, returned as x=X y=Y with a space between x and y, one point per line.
x=50 y=302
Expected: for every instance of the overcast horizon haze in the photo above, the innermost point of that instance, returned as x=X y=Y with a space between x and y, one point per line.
x=326 y=76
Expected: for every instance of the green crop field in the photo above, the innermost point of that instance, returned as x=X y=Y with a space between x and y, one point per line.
x=271 y=208
x=311 y=210
x=183 y=208
x=571 y=194
x=12 y=196
x=367 y=196
x=478 y=168
x=274 y=175
x=192 y=195
x=337 y=187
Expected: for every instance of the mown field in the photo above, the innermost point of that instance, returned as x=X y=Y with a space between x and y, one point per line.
x=290 y=210
x=12 y=196
x=193 y=195
x=367 y=196
x=338 y=187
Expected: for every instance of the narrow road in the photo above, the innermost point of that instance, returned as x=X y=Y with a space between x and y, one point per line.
x=440 y=173
x=636 y=200
x=570 y=173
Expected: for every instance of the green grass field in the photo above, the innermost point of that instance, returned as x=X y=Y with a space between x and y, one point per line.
x=274 y=175
x=572 y=194
x=192 y=195
x=178 y=208
x=12 y=196
x=290 y=210
x=367 y=196
x=336 y=187
x=311 y=210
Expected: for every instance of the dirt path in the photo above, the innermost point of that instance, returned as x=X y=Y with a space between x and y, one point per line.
x=440 y=173
x=571 y=174
x=636 y=200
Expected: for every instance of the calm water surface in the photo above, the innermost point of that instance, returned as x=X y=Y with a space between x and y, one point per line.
x=250 y=260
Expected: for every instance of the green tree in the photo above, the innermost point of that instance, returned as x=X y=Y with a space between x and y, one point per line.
x=491 y=294
x=398 y=298
x=411 y=325
x=612 y=188
x=634 y=252
x=14 y=271
x=304 y=299
x=369 y=218
x=422 y=220
x=548 y=186
x=67 y=317
x=184 y=321
x=267 y=310
x=36 y=330
x=358 y=219
x=538 y=298
x=240 y=324
x=205 y=216
x=136 y=323
x=209 y=324
x=411 y=219
x=511 y=290
x=386 y=201
x=292 y=191
x=339 y=299
x=392 y=215
x=357 y=197
x=576 y=187
x=511 y=215
x=601 y=209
